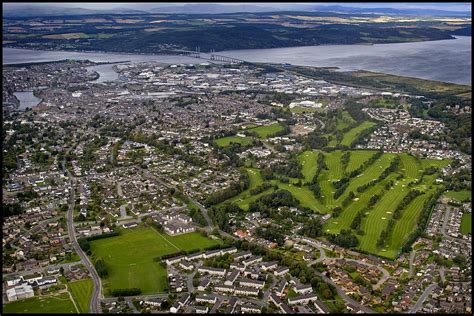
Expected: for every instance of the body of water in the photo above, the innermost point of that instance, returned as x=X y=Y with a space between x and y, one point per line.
x=445 y=60
x=27 y=99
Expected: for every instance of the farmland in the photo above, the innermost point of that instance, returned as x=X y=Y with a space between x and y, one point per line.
x=58 y=304
x=129 y=257
x=81 y=292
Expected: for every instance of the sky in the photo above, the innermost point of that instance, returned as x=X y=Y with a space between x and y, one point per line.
x=451 y=6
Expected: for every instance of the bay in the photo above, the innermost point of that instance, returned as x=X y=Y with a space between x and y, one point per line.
x=445 y=60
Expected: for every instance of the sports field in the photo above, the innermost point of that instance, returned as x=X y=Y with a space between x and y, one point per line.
x=466 y=224
x=57 y=304
x=308 y=164
x=129 y=257
x=266 y=131
x=226 y=141
x=81 y=293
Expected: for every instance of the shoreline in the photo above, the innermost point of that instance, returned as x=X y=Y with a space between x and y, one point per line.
x=216 y=52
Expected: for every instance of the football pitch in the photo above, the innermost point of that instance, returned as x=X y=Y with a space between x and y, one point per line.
x=129 y=257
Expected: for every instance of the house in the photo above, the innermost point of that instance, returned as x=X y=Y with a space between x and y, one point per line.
x=242 y=255
x=52 y=270
x=179 y=303
x=130 y=225
x=212 y=253
x=281 y=288
x=232 y=277
x=246 y=291
x=303 y=288
x=204 y=284
x=251 y=308
x=237 y=266
x=20 y=292
x=154 y=302
x=194 y=256
x=186 y=266
x=174 y=259
x=212 y=271
x=281 y=271
x=224 y=288
x=211 y=299
x=201 y=309
x=232 y=303
x=252 y=283
x=275 y=299
x=302 y=299
x=252 y=260
x=269 y=265
x=228 y=250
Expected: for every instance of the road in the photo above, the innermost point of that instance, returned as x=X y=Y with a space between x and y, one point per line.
x=412 y=257
x=344 y=296
x=94 y=304
x=445 y=222
x=422 y=298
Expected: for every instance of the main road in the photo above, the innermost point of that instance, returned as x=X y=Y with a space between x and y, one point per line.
x=94 y=304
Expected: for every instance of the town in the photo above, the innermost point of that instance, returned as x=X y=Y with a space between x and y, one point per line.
x=230 y=188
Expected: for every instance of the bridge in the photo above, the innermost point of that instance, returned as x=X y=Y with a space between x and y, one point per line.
x=213 y=56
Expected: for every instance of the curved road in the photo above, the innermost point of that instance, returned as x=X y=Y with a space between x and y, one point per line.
x=94 y=304
x=422 y=298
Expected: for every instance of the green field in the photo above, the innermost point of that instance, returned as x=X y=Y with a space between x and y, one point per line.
x=266 y=131
x=308 y=161
x=461 y=196
x=58 y=304
x=390 y=189
x=351 y=135
x=226 y=141
x=466 y=224
x=81 y=293
x=129 y=257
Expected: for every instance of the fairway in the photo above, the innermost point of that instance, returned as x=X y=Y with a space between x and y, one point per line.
x=461 y=196
x=308 y=161
x=351 y=135
x=129 y=257
x=58 y=304
x=466 y=224
x=266 y=131
x=226 y=141
x=392 y=188
x=81 y=293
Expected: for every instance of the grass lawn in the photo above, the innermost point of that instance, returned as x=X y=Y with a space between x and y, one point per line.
x=461 y=196
x=351 y=135
x=129 y=257
x=81 y=292
x=466 y=224
x=301 y=109
x=266 y=131
x=226 y=141
x=58 y=304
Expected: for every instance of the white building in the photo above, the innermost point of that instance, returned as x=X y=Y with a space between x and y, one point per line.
x=20 y=292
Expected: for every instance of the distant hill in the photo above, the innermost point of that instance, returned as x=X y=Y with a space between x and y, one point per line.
x=391 y=11
x=465 y=31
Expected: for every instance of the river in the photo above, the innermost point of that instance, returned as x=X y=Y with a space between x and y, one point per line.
x=27 y=99
x=445 y=60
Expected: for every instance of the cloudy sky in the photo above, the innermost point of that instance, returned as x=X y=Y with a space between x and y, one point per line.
x=452 y=6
